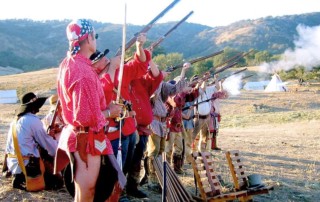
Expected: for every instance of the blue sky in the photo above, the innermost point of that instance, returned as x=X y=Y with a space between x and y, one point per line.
x=207 y=12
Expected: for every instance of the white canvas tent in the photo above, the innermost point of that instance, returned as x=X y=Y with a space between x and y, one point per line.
x=276 y=84
x=8 y=96
x=257 y=85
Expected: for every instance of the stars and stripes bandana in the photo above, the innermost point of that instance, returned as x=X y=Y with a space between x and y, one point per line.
x=78 y=30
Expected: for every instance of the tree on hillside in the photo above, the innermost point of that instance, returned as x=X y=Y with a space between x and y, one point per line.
x=169 y=60
x=228 y=53
x=262 y=56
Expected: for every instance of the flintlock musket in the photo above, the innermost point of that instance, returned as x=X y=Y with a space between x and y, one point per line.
x=147 y=27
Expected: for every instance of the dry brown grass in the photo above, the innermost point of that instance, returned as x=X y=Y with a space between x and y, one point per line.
x=42 y=82
x=276 y=133
x=234 y=34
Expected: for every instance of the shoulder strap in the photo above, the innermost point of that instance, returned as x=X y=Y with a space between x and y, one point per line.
x=205 y=93
x=17 y=148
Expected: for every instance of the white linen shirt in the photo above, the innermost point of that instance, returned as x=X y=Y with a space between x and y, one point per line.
x=30 y=131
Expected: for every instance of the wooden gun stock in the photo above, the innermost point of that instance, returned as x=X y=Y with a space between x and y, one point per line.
x=54 y=116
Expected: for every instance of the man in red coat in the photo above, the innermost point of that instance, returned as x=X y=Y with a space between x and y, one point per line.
x=174 y=144
x=108 y=70
x=83 y=105
x=141 y=91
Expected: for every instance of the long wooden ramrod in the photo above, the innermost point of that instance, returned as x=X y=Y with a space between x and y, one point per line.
x=170 y=69
x=147 y=27
x=155 y=44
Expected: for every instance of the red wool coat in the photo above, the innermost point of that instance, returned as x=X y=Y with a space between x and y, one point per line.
x=141 y=90
x=175 y=117
x=131 y=71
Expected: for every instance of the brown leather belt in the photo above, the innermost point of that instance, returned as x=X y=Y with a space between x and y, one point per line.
x=161 y=119
x=178 y=125
x=203 y=117
x=81 y=129
x=86 y=129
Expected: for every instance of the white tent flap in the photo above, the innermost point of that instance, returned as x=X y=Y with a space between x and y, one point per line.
x=276 y=84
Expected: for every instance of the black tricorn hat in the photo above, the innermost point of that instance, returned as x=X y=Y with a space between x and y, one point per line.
x=30 y=101
x=95 y=57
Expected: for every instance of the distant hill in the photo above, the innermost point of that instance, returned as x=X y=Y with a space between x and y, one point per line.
x=9 y=70
x=33 y=45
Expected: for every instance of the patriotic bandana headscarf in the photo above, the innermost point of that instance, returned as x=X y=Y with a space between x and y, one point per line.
x=78 y=30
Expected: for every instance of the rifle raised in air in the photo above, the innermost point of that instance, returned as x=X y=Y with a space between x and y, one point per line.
x=171 y=69
x=155 y=44
x=233 y=73
x=147 y=27
x=213 y=72
x=245 y=77
x=234 y=58
x=207 y=100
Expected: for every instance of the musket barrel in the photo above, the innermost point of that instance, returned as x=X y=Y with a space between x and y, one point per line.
x=147 y=27
x=170 y=69
x=234 y=58
x=234 y=73
x=168 y=32
x=245 y=77
x=225 y=67
x=181 y=21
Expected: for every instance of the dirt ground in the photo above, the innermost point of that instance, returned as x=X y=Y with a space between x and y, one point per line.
x=276 y=133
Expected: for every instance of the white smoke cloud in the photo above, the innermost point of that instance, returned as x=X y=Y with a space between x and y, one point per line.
x=233 y=84
x=305 y=53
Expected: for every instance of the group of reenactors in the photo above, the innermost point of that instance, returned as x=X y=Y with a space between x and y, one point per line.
x=108 y=119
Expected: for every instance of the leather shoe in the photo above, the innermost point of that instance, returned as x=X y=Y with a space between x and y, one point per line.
x=136 y=193
x=18 y=181
x=144 y=180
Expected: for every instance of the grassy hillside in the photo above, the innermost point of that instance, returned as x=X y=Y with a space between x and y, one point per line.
x=32 y=45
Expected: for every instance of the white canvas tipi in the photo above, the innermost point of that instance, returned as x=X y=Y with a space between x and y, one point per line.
x=276 y=84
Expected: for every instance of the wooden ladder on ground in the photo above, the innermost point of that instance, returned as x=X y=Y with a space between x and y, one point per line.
x=239 y=176
x=208 y=181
